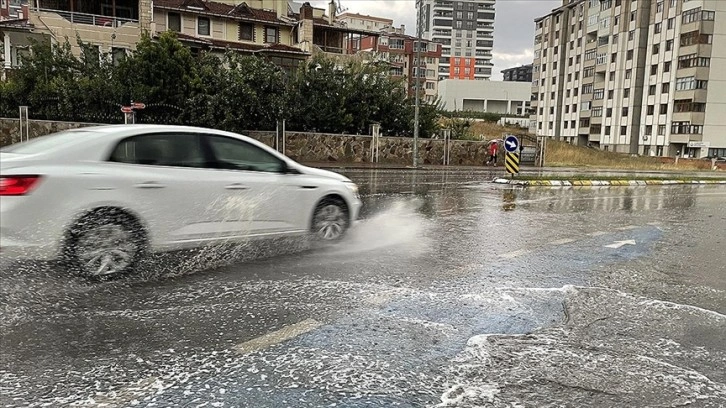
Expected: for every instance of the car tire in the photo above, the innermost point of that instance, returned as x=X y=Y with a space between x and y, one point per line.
x=330 y=220
x=104 y=245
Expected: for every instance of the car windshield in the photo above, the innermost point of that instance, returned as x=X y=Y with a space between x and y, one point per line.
x=47 y=143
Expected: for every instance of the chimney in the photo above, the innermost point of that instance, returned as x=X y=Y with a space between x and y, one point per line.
x=305 y=33
x=331 y=11
x=146 y=15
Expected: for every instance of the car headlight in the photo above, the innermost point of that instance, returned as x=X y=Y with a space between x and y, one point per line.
x=353 y=188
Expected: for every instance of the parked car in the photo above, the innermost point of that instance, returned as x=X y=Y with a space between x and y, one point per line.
x=101 y=197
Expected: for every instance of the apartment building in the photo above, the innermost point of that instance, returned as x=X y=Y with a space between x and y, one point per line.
x=518 y=74
x=465 y=29
x=370 y=23
x=401 y=53
x=633 y=76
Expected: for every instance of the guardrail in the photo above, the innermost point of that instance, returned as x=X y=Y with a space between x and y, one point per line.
x=90 y=19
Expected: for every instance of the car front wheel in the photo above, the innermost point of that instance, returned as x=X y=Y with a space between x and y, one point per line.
x=330 y=220
x=104 y=245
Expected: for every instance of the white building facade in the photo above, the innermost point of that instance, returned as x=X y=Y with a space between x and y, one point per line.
x=633 y=76
x=485 y=96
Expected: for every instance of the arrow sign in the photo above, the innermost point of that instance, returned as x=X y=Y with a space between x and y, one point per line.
x=511 y=143
x=619 y=244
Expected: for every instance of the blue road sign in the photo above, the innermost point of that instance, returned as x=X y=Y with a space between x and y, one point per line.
x=511 y=144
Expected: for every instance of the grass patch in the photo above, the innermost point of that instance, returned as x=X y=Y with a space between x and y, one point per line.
x=561 y=154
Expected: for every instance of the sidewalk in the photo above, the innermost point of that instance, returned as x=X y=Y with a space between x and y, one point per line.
x=525 y=170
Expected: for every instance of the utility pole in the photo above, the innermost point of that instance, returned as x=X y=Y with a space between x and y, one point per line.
x=419 y=14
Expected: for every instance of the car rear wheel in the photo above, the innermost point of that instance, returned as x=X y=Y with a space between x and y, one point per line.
x=105 y=245
x=330 y=220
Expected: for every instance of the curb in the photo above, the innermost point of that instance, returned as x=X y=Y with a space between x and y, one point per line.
x=603 y=183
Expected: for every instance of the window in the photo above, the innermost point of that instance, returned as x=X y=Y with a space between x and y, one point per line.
x=658 y=28
x=651 y=110
x=651 y=90
x=693 y=60
x=632 y=16
x=609 y=113
x=607 y=132
x=667 y=66
x=630 y=55
x=664 y=109
x=233 y=154
x=631 y=35
x=162 y=149
x=665 y=88
x=588 y=72
x=695 y=37
x=586 y=89
x=687 y=105
x=671 y=23
x=708 y=15
x=117 y=55
x=669 y=45
x=567 y=108
x=625 y=111
x=628 y=73
x=623 y=130
x=246 y=32
x=174 y=22
x=626 y=93
x=649 y=130
x=566 y=123
x=614 y=57
x=585 y=122
x=656 y=48
x=596 y=112
x=599 y=94
x=654 y=69
x=584 y=106
x=612 y=75
x=661 y=130
x=271 y=35
x=686 y=128
x=611 y=93
x=203 y=26
x=659 y=7
x=691 y=16
x=689 y=83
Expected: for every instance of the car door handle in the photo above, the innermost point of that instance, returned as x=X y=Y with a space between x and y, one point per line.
x=149 y=184
x=236 y=186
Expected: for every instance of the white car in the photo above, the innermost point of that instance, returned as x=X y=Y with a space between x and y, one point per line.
x=101 y=197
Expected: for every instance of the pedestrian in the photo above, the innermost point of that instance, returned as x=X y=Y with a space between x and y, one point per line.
x=493 y=153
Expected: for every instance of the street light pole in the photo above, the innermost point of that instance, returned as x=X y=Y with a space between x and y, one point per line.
x=417 y=88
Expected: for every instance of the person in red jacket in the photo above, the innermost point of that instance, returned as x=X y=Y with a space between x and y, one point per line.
x=493 y=153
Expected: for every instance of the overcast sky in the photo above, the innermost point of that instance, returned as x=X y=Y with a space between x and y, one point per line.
x=513 y=28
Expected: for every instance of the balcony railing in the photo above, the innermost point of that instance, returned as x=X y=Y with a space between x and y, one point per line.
x=91 y=19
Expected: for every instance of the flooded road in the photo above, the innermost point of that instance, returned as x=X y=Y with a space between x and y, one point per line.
x=451 y=292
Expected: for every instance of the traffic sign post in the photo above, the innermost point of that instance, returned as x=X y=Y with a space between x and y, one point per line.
x=511 y=163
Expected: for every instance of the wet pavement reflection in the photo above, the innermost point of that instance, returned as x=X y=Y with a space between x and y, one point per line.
x=451 y=292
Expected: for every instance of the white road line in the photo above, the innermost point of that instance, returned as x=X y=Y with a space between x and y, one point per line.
x=278 y=336
x=597 y=233
x=514 y=254
x=563 y=241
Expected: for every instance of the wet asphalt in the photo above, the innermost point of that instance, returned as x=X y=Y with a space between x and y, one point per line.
x=451 y=292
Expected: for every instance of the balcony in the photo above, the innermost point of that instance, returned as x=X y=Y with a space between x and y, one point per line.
x=104 y=13
x=90 y=19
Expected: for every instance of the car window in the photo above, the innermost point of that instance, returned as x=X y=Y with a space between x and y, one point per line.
x=167 y=149
x=235 y=154
x=48 y=142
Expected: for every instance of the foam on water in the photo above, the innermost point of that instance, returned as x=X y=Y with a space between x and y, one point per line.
x=400 y=225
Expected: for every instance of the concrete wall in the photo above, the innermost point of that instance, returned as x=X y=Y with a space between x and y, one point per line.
x=312 y=147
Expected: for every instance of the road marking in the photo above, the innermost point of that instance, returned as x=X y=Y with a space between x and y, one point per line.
x=563 y=241
x=278 y=336
x=514 y=254
x=627 y=228
x=597 y=233
x=619 y=244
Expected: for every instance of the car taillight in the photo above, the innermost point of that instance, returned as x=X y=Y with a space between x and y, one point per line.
x=17 y=185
